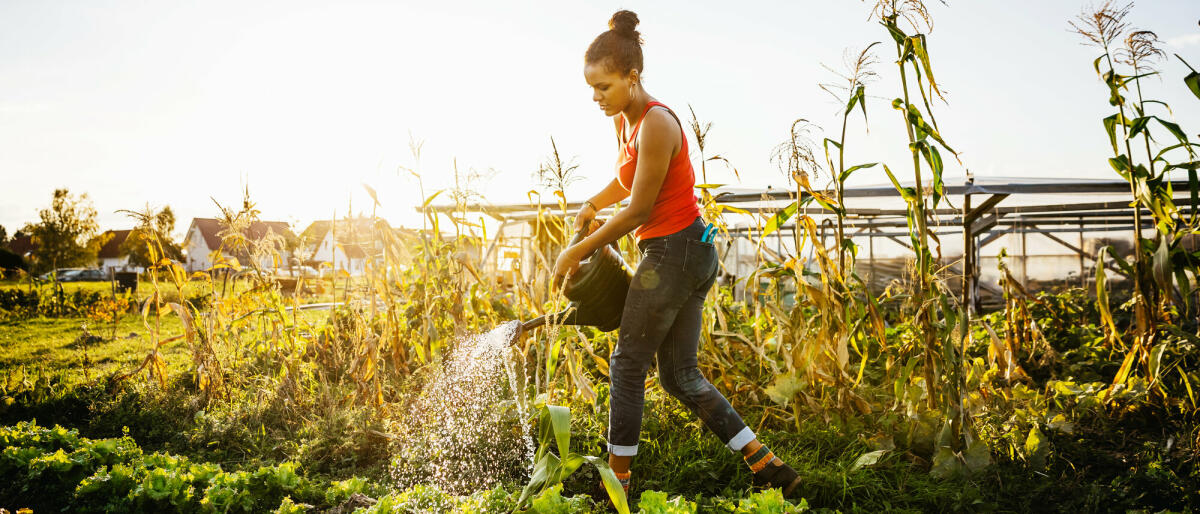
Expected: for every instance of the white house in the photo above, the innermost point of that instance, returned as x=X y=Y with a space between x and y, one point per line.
x=203 y=240
x=110 y=258
x=357 y=241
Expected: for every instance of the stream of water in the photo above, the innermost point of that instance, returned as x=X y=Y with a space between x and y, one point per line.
x=467 y=431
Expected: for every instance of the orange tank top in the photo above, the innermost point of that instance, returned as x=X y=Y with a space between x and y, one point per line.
x=675 y=207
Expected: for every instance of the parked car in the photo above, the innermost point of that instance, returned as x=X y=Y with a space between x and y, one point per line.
x=63 y=273
x=83 y=275
x=92 y=275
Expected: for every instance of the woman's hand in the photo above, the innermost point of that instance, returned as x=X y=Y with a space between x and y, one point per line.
x=584 y=217
x=566 y=264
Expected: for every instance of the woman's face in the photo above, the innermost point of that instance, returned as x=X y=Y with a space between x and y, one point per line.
x=609 y=89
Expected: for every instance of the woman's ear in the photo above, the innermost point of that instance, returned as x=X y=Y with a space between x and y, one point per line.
x=633 y=76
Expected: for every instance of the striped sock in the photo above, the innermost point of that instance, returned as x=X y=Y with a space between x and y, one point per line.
x=624 y=479
x=759 y=459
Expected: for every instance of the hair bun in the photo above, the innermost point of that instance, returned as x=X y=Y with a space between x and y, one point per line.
x=625 y=23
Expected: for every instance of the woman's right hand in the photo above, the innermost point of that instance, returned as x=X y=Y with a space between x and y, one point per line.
x=584 y=218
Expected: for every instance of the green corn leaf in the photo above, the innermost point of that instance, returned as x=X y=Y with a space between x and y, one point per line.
x=846 y=174
x=855 y=97
x=543 y=470
x=1110 y=126
x=1193 y=83
x=919 y=45
x=1125 y=80
x=1164 y=104
x=835 y=144
x=1120 y=164
x=569 y=465
x=1174 y=129
x=1190 y=165
x=1126 y=268
x=909 y=194
x=1115 y=82
x=898 y=35
x=862 y=98
x=1137 y=126
x=611 y=484
x=781 y=216
x=560 y=423
x=1189 y=147
x=934 y=159
x=922 y=128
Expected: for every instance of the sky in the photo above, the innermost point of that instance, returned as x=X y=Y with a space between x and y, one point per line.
x=187 y=104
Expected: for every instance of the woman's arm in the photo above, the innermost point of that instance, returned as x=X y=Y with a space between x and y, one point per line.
x=657 y=141
x=611 y=194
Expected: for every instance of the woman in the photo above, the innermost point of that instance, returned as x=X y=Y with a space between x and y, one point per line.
x=662 y=313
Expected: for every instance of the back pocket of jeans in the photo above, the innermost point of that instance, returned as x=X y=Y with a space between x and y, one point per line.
x=700 y=259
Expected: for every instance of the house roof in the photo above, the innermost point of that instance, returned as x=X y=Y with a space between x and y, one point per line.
x=21 y=245
x=112 y=247
x=362 y=229
x=211 y=228
x=354 y=251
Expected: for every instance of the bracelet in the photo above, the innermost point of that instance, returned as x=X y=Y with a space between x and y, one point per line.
x=592 y=205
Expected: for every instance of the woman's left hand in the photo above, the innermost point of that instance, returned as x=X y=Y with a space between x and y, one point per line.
x=567 y=263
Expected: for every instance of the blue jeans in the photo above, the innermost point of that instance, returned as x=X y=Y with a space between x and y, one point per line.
x=662 y=318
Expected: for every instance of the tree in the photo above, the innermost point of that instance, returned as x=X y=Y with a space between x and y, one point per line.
x=10 y=261
x=3 y=236
x=151 y=227
x=65 y=236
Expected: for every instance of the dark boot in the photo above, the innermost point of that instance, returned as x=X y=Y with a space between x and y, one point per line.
x=769 y=472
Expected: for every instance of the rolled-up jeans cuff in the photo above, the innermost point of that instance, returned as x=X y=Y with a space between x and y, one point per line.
x=740 y=440
x=623 y=451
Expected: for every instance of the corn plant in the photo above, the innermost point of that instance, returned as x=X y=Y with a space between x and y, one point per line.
x=1160 y=264
x=853 y=83
x=550 y=469
x=155 y=304
x=940 y=325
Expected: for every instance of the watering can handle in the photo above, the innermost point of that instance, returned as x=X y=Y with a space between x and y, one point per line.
x=579 y=236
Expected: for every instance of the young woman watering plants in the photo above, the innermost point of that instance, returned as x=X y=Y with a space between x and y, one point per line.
x=662 y=315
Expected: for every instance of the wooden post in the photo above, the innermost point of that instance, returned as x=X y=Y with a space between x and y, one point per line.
x=968 y=257
x=871 y=254
x=1024 y=256
x=1082 y=276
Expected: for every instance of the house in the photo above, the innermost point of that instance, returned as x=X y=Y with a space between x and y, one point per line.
x=22 y=245
x=203 y=239
x=110 y=258
x=357 y=242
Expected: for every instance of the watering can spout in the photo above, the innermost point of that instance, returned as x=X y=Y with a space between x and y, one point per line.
x=569 y=316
